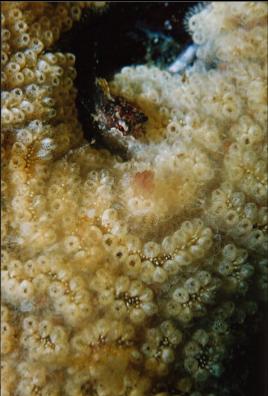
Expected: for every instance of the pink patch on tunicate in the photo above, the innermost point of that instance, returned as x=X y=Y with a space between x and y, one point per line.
x=144 y=182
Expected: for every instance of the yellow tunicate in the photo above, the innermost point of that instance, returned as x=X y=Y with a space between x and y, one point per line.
x=109 y=265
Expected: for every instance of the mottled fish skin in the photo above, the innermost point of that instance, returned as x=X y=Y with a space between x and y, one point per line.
x=116 y=112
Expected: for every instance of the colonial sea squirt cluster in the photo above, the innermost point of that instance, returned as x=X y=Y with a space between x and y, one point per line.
x=132 y=277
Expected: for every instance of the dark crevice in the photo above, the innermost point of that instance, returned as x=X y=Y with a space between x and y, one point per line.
x=123 y=34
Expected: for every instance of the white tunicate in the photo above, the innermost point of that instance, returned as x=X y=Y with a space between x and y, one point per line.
x=181 y=295
x=151 y=249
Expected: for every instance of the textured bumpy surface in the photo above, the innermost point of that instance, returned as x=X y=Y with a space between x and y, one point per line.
x=137 y=277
